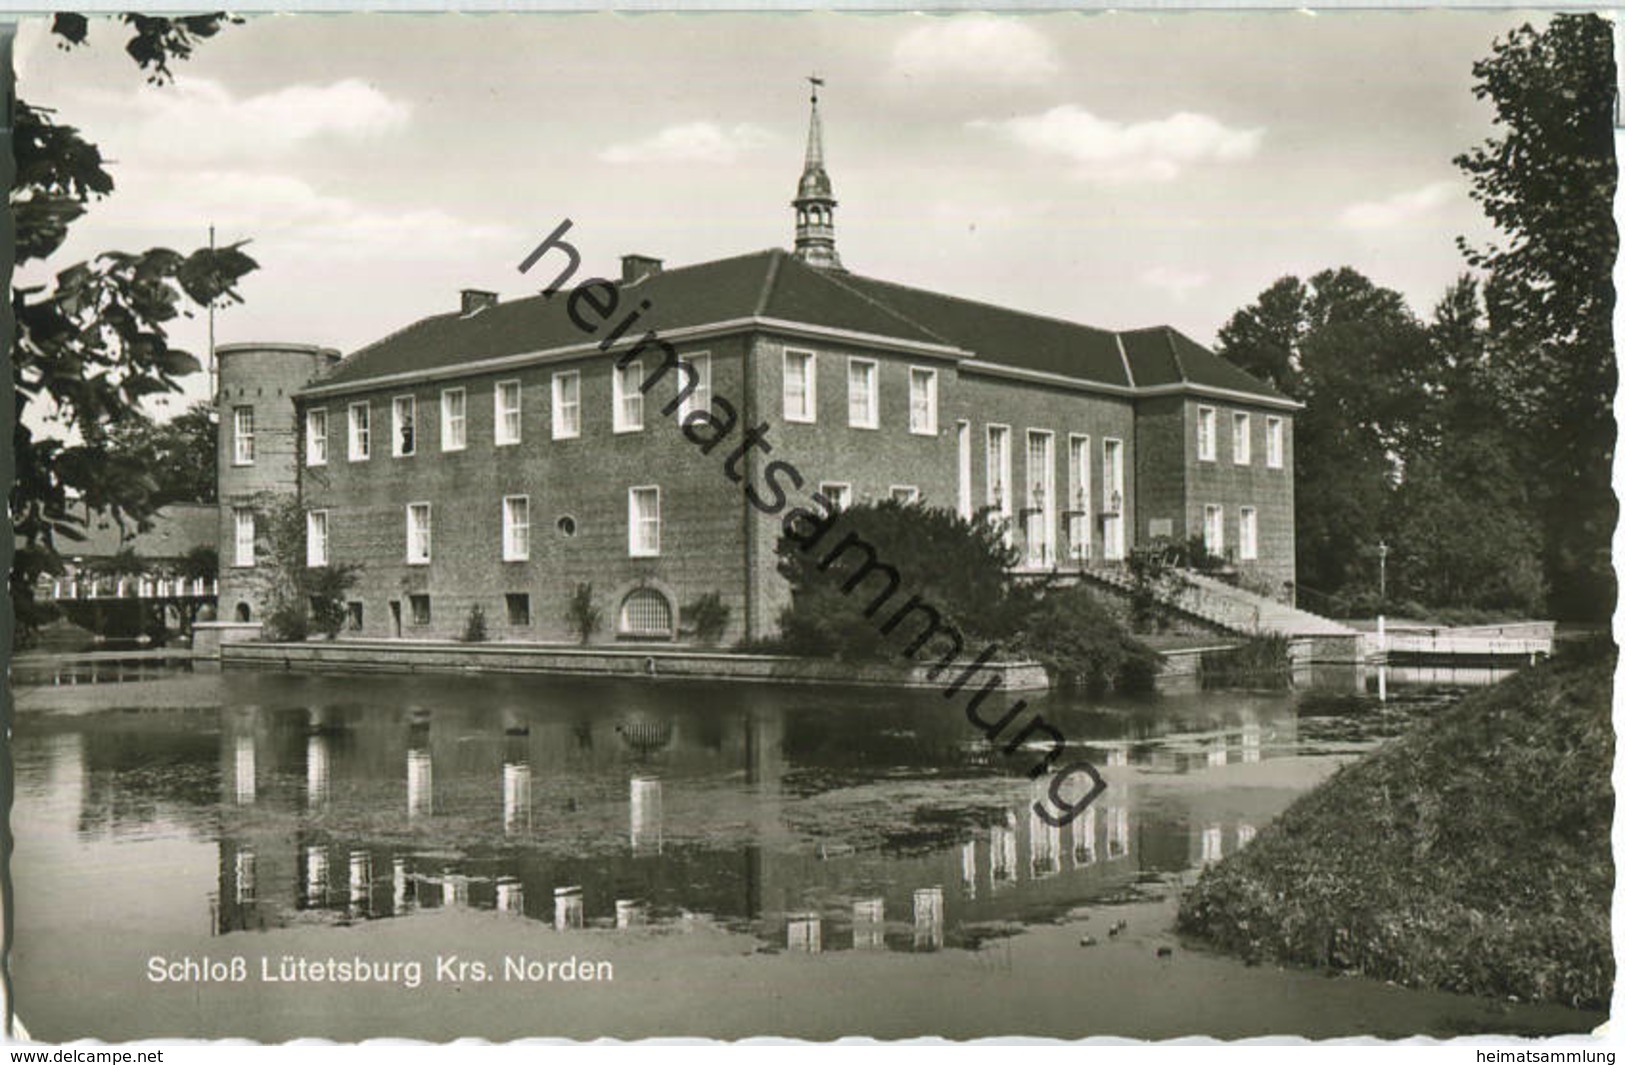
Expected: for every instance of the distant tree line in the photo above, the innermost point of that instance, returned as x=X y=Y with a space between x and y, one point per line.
x=1477 y=444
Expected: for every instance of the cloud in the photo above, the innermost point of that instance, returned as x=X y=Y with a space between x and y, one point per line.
x=1114 y=151
x=989 y=49
x=1180 y=283
x=1397 y=209
x=199 y=120
x=287 y=213
x=704 y=142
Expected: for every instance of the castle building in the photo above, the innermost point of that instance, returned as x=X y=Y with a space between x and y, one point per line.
x=647 y=436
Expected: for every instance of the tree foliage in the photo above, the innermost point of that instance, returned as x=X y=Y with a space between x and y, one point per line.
x=176 y=460
x=1547 y=183
x=91 y=345
x=299 y=598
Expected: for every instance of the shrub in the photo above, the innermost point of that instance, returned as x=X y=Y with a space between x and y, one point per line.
x=1262 y=661
x=1080 y=644
x=842 y=595
x=708 y=616
x=582 y=614
x=474 y=626
x=328 y=587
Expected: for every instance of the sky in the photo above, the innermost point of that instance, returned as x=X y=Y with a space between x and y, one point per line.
x=1120 y=170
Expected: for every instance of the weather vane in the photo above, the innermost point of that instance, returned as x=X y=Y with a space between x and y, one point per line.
x=816 y=82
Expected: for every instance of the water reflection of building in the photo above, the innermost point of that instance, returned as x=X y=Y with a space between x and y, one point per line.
x=434 y=789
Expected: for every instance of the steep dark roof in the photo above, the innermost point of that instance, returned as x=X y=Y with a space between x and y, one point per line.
x=774 y=284
x=1165 y=356
x=1003 y=336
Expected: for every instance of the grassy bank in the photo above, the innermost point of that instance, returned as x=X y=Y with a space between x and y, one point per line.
x=1471 y=854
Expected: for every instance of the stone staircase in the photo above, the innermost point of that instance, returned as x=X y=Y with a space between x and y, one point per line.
x=1243 y=613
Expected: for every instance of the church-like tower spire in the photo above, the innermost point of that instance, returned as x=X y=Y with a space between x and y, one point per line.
x=815 y=200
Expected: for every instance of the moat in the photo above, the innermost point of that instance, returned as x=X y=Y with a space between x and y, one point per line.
x=742 y=860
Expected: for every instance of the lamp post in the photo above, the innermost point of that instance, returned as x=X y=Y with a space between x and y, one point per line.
x=1382 y=595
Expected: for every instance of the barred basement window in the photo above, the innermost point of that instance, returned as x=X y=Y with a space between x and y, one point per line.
x=518 y=608
x=645 y=612
x=420 y=609
x=352 y=612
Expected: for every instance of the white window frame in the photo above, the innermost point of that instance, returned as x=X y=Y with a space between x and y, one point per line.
x=1040 y=494
x=453 y=424
x=503 y=432
x=242 y=519
x=967 y=463
x=998 y=480
x=396 y=447
x=1114 y=535
x=839 y=493
x=700 y=398
x=808 y=414
x=1207 y=434
x=1213 y=520
x=638 y=526
x=926 y=425
x=1079 y=485
x=905 y=493
x=1247 y=535
x=628 y=396
x=242 y=436
x=860 y=394
x=413 y=527
x=316 y=442
x=516 y=528
x=1274 y=441
x=566 y=414
x=1241 y=438
x=360 y=432
x=316 y=529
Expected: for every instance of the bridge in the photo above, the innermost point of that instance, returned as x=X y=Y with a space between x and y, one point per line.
x=130 y=605
x=72 y=588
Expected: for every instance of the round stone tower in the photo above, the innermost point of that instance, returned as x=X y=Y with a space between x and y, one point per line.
x=258 y=454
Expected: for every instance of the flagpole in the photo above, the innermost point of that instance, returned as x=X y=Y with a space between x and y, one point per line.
x=213 y=396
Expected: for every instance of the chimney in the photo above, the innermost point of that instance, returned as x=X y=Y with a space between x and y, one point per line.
x=635 y=268
x=475 y=299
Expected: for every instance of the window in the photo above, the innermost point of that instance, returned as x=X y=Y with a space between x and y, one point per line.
x=1078 y=530
x=1249 y=534
x=420 y=609
x=242 y=436
x=700 y=397
x=453 y=419
x=360 y=432
x=1111 y=495
x=922 y=401
x=998 y=468
x=1038 y=511
x=566 y=404
x=353 y=613
x=508 y=424
x=905 y=493
x=1207 y=421
x=967 y=508
x=316 y=538
x=1274 y=446
x=800 y=386
x=645 y=612
x=316 y=437
x=862 y=393
x=1213 y=529
x=243 y=523
x=1241 y=439
x=838 y=494
x=643 y=522
x=417 y=534
x=515 y=528
x=627 y=384
x=518 y=608
x=406 y=425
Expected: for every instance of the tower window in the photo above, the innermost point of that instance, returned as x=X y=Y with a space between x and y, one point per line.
x=242 y=436
x=243 y=542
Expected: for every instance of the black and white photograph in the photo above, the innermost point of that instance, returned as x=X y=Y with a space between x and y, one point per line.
x=901 y=526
